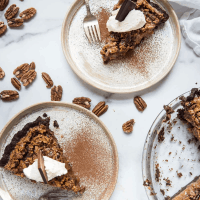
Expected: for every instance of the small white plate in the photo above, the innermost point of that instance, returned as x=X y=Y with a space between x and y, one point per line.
x=149 y=63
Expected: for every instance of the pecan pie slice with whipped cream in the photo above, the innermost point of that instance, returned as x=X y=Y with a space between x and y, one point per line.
x=119 y=43
x=21 y=156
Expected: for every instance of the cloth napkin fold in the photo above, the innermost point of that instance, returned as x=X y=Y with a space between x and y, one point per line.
x=190 y=27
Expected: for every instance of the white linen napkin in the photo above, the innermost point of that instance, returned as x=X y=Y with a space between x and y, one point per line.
x=190 y=27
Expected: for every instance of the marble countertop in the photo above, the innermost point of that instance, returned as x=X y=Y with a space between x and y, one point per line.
x=40 y=41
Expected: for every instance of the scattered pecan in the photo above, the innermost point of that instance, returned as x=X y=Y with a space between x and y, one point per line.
x=56 y=93
x=140 y=103
x=82 y=101
x=21 y=70
x=3 y=4
x=9 y=95
x=11 y=12
x=100 y=108
x=16 y=83
x=128 y=126
x=28 y=77
x=2 y=73
x=3 y=28
x=15 y=22
x=47 y=80
x=28 y=13
x=32 y=65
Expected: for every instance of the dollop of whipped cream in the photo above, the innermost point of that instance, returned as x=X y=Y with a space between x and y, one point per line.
x=53 y=169
x=133 y=21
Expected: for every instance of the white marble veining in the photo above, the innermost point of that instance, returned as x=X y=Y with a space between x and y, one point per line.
x=39 y=40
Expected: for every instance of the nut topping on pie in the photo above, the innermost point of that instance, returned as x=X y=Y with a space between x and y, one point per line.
x=118 y=44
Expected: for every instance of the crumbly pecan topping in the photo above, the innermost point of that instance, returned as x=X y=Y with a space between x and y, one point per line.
x=128 y=126
x=32 y=65
x=3 y=4
x=190 y=113
x=169 y=111
x=28 y=77
x=11 y=12
x=3 y=28
x=15 y=22
x=28 y=13
x=118 y=44
x=140 y=103
x=100 y=108
x=16 y=83
x=47 y=80
x=9 y=95
x=25 y=153
x=2 y=73
x=21 y=70
x=82 y=101
x=56 y=93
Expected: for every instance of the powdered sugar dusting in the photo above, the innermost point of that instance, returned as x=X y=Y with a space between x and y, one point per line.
x=73 y=124
x=143 y=65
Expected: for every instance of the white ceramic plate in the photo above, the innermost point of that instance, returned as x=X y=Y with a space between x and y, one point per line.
x=74 y=122
x=149 y=63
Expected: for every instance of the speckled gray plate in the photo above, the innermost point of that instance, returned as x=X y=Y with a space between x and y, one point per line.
x=172 y=155
x=72 y=120
x=150 y=63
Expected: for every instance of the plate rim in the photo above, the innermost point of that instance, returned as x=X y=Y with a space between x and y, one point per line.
x=113 y=89
x=112 y=185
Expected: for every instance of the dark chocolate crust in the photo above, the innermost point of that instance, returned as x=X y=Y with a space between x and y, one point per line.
x=157 y=7
x=17 y=137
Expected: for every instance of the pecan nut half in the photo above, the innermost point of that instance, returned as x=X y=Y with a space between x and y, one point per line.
x=2 y=73
x=28 y=77
x=140 y=103
x=9 y=95
x=128 y=126
x=32 y=65
x=3 y=28
x=15 y=22
x=28 y=13
x=100 y=108
x=21 y=70
x=16 y=83
x=56 y=93
x=47 y=80
x=3 y=4
x=11 y=12
x=82 y=101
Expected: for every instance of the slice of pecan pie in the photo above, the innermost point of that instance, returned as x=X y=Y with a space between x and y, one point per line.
x=118 y=44
x=190 y=113
x=189 y=192
x=23 y=151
